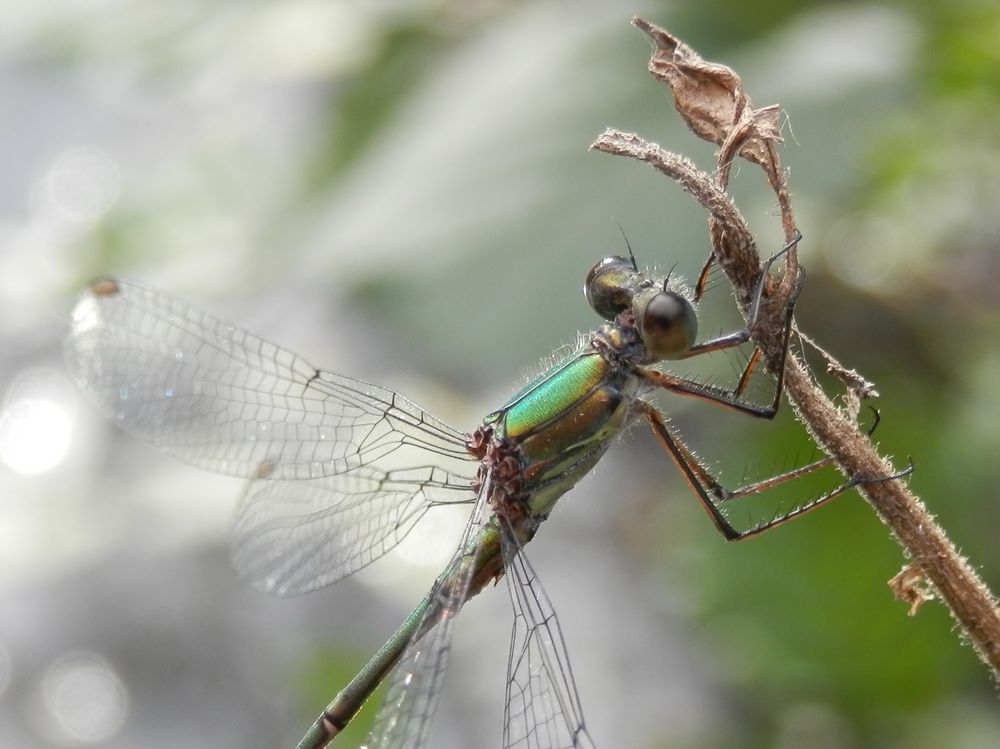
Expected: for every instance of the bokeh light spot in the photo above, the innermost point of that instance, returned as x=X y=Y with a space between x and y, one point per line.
x=36 y=423
x=83 y=184
x=85 y=698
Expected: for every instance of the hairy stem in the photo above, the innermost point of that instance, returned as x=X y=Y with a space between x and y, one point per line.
x=710 y=98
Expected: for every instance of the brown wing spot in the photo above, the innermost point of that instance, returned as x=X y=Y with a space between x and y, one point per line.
x=264 y=470
x=105 y=287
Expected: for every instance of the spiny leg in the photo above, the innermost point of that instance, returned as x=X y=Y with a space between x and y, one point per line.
x=712 y=394
x=732 y=398
x=709 y=490
x=702 y=285
x=757 y=487
x=742 y=336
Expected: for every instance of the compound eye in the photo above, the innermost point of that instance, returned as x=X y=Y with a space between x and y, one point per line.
x=668 y=323
x=609 y=286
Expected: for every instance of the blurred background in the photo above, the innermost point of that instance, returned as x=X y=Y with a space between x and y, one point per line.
x=401 y=191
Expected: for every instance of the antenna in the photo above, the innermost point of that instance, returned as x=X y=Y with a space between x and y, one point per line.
x=635 y=266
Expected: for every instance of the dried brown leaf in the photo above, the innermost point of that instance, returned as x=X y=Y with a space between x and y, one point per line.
x=912 y=586
x=710 y=98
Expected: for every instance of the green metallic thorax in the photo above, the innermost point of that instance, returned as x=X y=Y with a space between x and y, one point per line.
x=563 y=422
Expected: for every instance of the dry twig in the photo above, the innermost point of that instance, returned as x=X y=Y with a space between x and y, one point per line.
x=711 y=100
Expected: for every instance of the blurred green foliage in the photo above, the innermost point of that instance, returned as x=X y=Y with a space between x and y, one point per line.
x=362 y=103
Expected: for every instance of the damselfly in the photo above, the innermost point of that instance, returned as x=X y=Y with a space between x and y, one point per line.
x=342 y=470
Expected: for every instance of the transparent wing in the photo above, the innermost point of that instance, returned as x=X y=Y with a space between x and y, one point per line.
x=344 y=468
x=295 y=536
x=542 y=708
x=404 y=718
x=220 y=398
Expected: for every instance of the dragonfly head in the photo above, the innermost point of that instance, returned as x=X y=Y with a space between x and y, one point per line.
x=666 y=319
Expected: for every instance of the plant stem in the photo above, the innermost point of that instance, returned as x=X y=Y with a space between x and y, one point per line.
x=706 y=94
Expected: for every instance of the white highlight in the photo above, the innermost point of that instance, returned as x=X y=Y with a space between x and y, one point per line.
x=86 y=316
x=36 y=423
